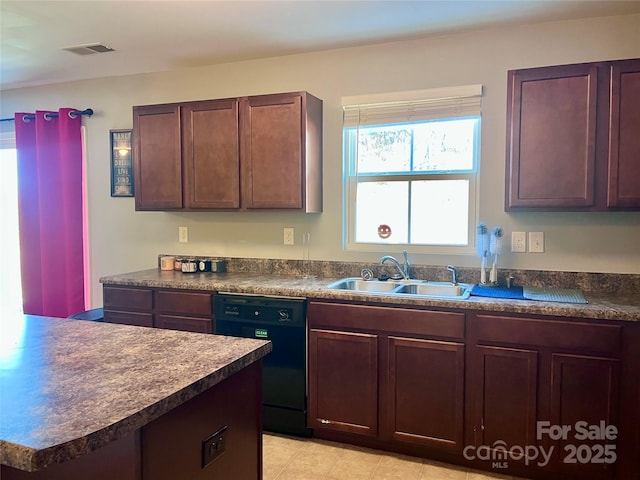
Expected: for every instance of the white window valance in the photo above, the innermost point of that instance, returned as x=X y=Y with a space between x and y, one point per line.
x=414 y=105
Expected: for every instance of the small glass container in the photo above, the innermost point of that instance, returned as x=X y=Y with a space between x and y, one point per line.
x=167 y=263
x=204 y=265
x=177 y=265
x=189 y=265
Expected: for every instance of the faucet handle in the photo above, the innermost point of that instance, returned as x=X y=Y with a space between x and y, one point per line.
x=407 y=266
x=366 y=274
x=454 y=274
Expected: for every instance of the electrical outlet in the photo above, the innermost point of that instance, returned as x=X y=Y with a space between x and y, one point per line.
x=213 y=446
x=183 y=234
x=518 y=241
x=536 y=242
x=288 y=236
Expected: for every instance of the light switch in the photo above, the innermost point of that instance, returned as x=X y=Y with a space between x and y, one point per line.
x=536 y=242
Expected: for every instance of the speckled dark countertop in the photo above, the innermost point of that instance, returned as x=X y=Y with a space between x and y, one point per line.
x=603 y=304
x=68 y=387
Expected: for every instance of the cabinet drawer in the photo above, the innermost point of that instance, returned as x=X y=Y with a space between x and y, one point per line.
x=136 y=298
x=129 y=318
x=186 y=324
x=553 y=334
x=386 y=319
x=183 y=302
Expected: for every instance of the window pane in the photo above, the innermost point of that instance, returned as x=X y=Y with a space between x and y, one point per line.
x=10 y=283
x=440 y=212
x=437 y=145
x=382 y=203
x=444 y=145
x=384 y=148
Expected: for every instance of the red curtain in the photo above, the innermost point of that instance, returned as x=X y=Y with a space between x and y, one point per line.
x=50 y=180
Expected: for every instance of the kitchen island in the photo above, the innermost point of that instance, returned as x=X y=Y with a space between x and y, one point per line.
x=83 y=399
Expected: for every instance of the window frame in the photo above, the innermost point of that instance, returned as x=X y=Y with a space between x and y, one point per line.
x=351 y=178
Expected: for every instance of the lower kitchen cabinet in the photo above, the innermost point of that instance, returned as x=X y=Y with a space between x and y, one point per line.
x=444 y=385
x=188 y=311
x=529 y=378
x=425 y=392
x=343 y=381
x=128 y=305
x=149 y=307
x=394 y=375
x=503 y=384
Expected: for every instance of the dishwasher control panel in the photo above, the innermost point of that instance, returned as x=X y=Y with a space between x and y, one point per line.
x=272 y=310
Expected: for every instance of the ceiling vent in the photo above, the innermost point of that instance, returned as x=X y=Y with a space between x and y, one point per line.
x=89 y=49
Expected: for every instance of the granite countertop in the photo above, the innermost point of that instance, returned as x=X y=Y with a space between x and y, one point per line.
x=68 y=387
x=625 y=307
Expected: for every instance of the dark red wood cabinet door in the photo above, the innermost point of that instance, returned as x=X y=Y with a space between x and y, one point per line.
x=157 y=157
x=211 y=154
x=273 y=151
x=624 y=135
x=426 y=392
x=584 y=393
x=551 y=137
x=505 y=396
x=343 y=381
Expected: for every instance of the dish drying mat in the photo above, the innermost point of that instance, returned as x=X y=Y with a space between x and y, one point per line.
x=541 y=294
x=566 y=295
x=497 y=291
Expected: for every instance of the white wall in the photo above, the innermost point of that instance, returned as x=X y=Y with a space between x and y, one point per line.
x=123 y=240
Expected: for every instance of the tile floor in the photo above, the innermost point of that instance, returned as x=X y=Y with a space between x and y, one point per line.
x=292 y=458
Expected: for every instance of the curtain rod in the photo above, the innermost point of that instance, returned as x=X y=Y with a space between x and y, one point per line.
x=73 y=113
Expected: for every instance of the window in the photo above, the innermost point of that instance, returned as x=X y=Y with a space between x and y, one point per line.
x=411 y=165
x=10 y=286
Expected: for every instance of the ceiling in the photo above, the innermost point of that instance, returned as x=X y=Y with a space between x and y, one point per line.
x=150 y=36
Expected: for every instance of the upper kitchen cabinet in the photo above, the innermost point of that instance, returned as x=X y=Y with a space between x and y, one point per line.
x=156 y=156
x=282 y=152
x=570 y=137
x=624 y=135
x=262 y=152
x=210 y=154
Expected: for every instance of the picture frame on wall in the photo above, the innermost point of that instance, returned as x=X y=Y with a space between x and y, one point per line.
x=121 y=163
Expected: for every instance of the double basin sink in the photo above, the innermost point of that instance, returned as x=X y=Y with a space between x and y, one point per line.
x=411 y=288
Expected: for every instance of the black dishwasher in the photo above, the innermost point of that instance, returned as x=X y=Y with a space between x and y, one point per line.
x=283 y=321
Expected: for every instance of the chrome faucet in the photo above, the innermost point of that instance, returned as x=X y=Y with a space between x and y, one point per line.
x=405 y=270
x=454 y=274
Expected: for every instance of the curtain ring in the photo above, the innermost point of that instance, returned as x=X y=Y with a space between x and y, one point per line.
x=47 y=117
x=26 y=119
x=72 y=114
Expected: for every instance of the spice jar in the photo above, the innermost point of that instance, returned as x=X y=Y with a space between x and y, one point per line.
x=167 y=263
x=189 y=265
x=204 y=265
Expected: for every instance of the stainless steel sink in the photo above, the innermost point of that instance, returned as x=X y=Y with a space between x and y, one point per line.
x=360 y=285
x=436 y=289
x=413 y=288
